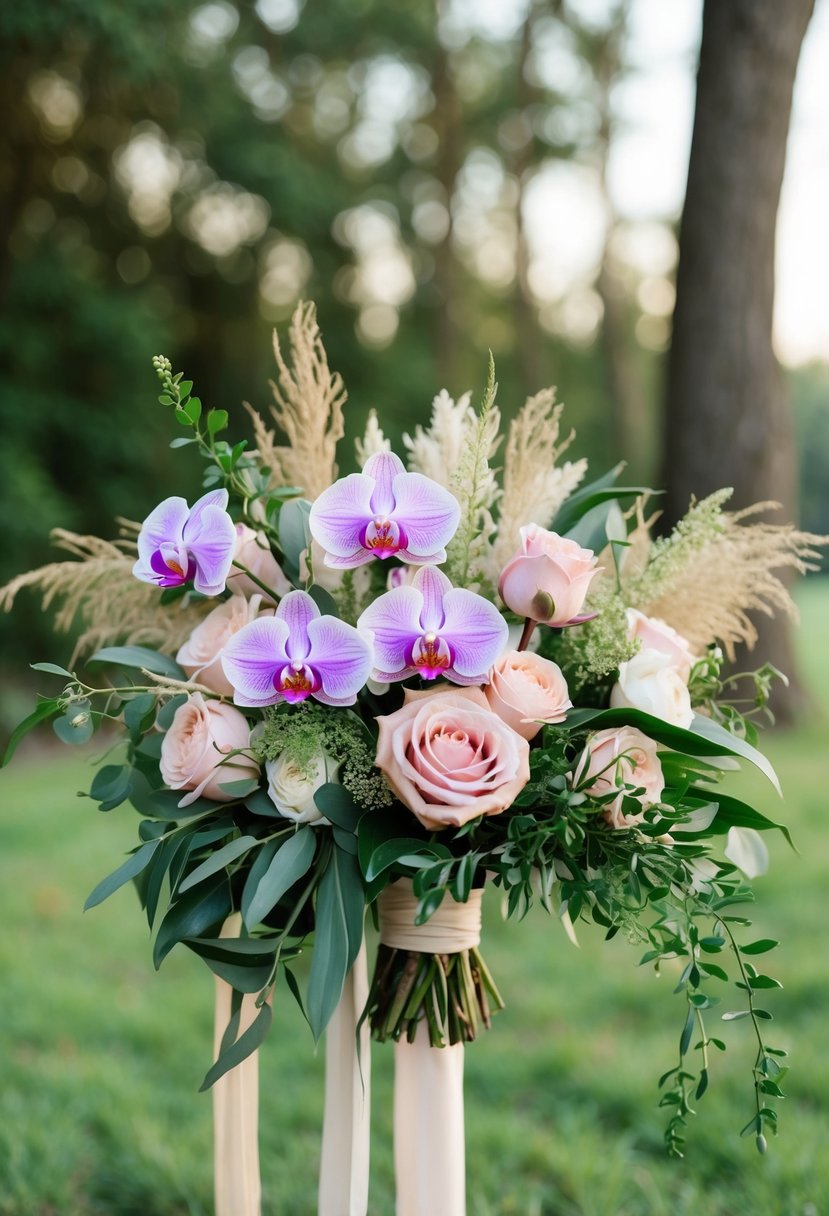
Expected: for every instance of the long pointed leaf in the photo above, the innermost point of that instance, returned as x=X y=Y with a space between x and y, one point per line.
x=127 y=870
x=244 y=1046
x=337 y=937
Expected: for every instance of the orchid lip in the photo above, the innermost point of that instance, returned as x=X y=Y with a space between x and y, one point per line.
x=383 y=537
x=170 y=570
x=431 y=656
x=296 y=681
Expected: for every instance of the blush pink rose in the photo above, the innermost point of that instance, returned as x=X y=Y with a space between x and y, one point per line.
x=614 y=759
x=548 y=579
x=203 y=732
x=252 y=550
x=200 y=656
x=448 y=758
x=526 y=691
x=656 y=634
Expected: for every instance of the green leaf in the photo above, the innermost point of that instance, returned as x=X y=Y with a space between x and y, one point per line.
x=243 y=979
x=759 y=947
x=294 y=534
x=200 y=909
x=75 y=727
x=139 y=713
x=181 y=442
x=165 y=715
x=52 y=669
x=324 y=600
x=337 y=937
x=109 y=782
x=46 y=709
x=735 y=1014
x=404 y=850
x=216 y=421
x=704 y=738
x=127 y=870
x=239 y=788
x=264 y=888
x=339 y=806
x=260 y=804
x=245 y=1045
x=139 y=656
x=218 y=860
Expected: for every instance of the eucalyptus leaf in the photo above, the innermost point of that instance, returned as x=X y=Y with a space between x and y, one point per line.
x=294 y=533
x=139 y=656
x=46 y=709
x=218 y=861
x=52 y=669
x=134 y=864
x=337 y=937
x=245 y=1045
x=287 y=865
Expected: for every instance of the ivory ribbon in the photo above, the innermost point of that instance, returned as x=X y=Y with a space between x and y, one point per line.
x=236 y=1110
x=343 y=1185
x=429 y=1149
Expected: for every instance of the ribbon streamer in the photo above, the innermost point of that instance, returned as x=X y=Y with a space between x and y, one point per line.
x=344 y=1164
x=429 y=1148
x=236 y=1110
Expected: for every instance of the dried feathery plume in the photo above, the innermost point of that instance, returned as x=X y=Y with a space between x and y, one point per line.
x=373 y=440
x=716 y=569
x=308 y=409
x=534 y=488
x=437 y=451
x=474 y=485
x=100 y=592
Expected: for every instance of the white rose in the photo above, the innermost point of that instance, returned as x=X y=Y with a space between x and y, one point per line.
x=656 y=634
x=651 y=682
x=291 y=788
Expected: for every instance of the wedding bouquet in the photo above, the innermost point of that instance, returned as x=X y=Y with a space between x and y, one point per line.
x=390 y=688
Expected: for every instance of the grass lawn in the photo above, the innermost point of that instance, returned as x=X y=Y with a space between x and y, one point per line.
x=102 y=1057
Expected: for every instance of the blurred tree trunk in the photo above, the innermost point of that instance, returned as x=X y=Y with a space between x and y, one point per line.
x=727 y=417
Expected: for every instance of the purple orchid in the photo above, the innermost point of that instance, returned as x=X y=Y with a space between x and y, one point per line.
x=384 y=512
x=430 y=628
x=297 y=653
x=178 y=544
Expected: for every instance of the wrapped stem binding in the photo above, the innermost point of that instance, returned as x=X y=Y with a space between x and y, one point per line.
x=432 y=972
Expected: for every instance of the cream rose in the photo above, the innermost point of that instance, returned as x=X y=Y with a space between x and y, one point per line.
x=656 y=634
x=291 y=788
x=614 y=759
x=252 y=550
x=526 y=691
x=548 y=579
x=652 y=683
x=448 y=758
x=200 y=656
x=194 y=748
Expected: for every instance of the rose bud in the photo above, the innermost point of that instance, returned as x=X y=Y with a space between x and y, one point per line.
x=548 y=579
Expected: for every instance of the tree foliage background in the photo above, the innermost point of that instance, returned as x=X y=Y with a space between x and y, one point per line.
x=174 y=177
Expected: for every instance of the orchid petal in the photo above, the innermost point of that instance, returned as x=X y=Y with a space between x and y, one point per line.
x=165 y=523
x=394 y=621
x=196 y=521
x=297 y=609
x=475 y=630
x=384 y=467
x=340 y=514
x=251 y=659
x=433 y=586
x=340 y=656
x=428 y=513
x=418 y=559
x=350 y=563
x=212 y=548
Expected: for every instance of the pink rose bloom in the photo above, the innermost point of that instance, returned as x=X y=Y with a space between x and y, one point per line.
x=201 y=654
x=525 y=691
x=252 y=550
x=193 y=749
x=655 y=634
x=614 y=759
x=448 y=758
x=548 y=579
